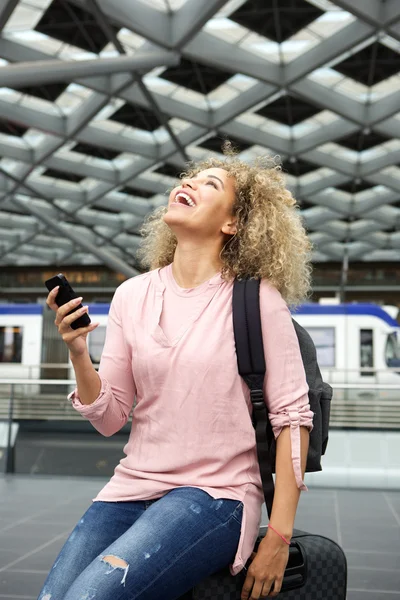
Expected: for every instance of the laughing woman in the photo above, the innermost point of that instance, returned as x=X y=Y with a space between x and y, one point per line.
x=186 y=499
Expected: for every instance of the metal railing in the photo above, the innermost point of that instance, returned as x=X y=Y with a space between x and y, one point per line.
x=354 y=406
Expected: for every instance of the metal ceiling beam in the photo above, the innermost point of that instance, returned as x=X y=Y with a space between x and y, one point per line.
x=325 y=134
x=260 y=92
x=190 y=19
x=31 y=117
x=394 y=31
x=162 y=119
x=327 y=98
x=389 y=127
x=51 y=71
x=391 y=12
x=257 y=136
x=21 y=153
x=208 y=49
x=365 y=206
x=105 y=257
x=50 y=203
x=137 y=16
x=370 y=11
x=170 y=106
x=6 y=9
x=384 y=108
x=386 y=180
x=332 y=47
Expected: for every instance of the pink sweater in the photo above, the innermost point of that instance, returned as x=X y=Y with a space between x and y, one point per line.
x=174 y=350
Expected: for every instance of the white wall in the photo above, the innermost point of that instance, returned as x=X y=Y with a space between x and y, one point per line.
x=359 y=459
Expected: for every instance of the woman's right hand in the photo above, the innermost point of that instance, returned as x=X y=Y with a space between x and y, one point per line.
x=74 y=338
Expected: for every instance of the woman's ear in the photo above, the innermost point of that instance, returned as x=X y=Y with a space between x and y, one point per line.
x=230 y=228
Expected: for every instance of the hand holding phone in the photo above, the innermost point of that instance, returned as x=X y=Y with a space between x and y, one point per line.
x=64 y=295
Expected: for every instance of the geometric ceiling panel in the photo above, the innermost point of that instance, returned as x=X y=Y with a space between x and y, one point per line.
x=288 y=110
x=277 y=21
x=329 y=93
x=70 y=24
x=92 y=150
x=197 y=77
x=10 y=128
x=169 y=170
x=360 y=141
x=371 y=65
x=355 y=186
x=60 y=175
x=298 y=167
x=136 y=191
x=136 y=116
x=49 y=92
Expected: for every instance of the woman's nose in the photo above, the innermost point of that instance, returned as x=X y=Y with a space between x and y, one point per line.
x=188 y=183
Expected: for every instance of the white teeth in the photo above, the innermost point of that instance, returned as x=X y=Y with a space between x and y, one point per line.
x=185 y=197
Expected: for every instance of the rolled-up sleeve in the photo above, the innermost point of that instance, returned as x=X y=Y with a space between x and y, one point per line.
x=111 y=409
x=285 y=385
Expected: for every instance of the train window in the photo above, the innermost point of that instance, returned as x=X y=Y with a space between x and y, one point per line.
x=10 y=344
x=367 y=351
x=324 y=340
x=96 y=343
x=392 y=351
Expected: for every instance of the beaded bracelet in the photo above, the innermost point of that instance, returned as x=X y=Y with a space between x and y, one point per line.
x=280 y=535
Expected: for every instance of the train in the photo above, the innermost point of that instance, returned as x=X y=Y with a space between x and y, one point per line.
x=356 y=343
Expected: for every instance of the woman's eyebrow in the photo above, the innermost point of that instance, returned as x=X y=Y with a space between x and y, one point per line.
x=220 y=180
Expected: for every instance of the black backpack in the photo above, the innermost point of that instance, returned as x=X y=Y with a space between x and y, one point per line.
x=251 y=365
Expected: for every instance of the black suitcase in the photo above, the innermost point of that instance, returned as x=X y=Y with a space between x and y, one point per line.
x=317 y=566
x=317 y=570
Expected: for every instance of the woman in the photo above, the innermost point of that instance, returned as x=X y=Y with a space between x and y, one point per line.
x=186 y=500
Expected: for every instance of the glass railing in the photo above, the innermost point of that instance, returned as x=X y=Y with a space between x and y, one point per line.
x=361 y=405
x=366 y=406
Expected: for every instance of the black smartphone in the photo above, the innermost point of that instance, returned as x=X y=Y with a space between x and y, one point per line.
x=64 y=295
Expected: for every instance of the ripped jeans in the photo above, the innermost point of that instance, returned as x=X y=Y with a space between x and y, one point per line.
x=146 y=550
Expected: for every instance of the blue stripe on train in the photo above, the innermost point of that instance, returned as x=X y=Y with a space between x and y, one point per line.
x=306 y=309
x=37 y=309
x=346 y=309
x=21 y=309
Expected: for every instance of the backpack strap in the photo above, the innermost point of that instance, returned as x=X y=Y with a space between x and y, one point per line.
x=251 y=366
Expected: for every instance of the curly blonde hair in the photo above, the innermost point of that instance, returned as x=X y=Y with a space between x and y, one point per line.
x=270 y=242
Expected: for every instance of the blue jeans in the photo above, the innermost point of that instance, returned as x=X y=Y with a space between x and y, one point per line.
x=148 y=550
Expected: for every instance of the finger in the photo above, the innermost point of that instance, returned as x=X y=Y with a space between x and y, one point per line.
x=69 y=319
x=72 y=334
x=66 y=308
x=276 y=588
x=257 y=589
x=247 y=587
x=51 y=298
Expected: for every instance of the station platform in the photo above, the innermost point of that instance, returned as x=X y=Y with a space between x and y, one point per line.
x=37 y=513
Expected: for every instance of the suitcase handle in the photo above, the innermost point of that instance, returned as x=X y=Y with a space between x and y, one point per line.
x=296 y=569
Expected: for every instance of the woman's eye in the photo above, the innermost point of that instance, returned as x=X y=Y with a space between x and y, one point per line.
x=212 y=183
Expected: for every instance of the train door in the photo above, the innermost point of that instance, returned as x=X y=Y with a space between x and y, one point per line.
x=54 y=360
x=363 y=354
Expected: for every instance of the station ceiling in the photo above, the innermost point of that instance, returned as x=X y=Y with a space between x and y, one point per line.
x=102 y=102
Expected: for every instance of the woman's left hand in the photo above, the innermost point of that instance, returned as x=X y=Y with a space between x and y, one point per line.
x=265 y=574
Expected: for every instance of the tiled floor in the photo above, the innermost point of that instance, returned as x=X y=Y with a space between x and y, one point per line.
x=37 y=513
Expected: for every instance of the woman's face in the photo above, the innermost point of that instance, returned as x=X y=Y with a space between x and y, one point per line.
x=202 y=205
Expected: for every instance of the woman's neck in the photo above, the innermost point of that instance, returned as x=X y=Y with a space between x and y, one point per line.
x=192 y=265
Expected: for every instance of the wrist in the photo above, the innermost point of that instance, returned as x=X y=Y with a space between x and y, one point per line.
x=78 y=357
x=283 y=533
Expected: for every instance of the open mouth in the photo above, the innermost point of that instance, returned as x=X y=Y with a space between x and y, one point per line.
x=185 y=199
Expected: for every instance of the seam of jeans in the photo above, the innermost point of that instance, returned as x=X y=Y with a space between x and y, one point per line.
x=238 y=509
x=180 y=555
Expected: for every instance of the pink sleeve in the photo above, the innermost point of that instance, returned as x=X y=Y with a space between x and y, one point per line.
x=285 y=386
x=111 y=409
